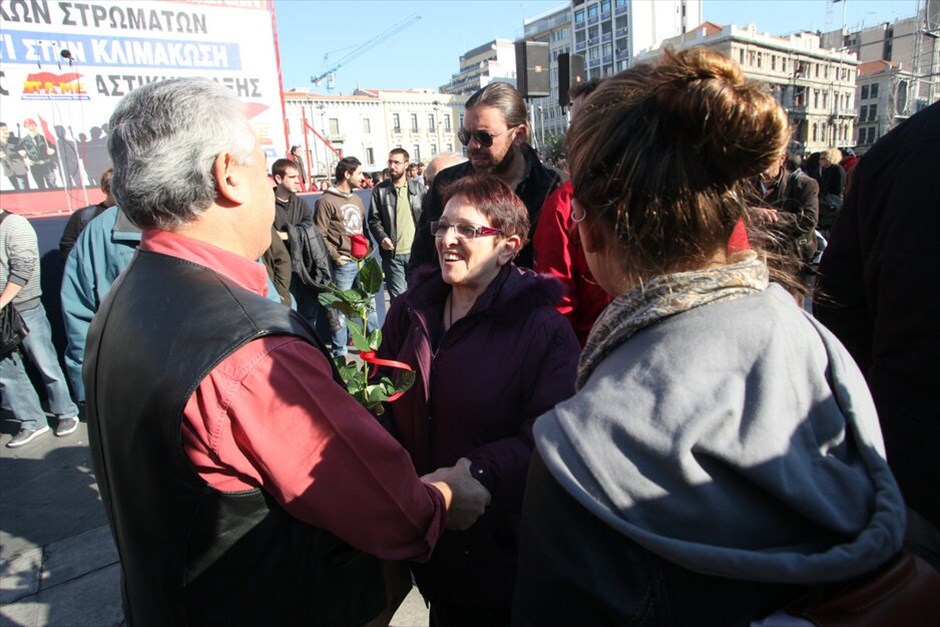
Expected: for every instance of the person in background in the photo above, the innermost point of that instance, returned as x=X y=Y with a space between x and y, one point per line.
x=20 y=281
x=339 y=216
x=441 y=161
x=223 y=446
x=874 y=292
x=721 y=458
x=81 y=217
x=393 y=215
x=296 y=228
x=419 y=173
x=301 y=168
x=491 y=355
x=831 y=188
x=558 y=251
x=496 y=132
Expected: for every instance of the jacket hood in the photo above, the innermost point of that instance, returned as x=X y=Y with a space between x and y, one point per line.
x=738 y=440
x=332 y=190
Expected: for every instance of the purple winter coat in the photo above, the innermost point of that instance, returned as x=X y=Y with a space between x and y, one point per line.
x=510 y=359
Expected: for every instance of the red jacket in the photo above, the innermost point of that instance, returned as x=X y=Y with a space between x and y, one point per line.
x=558 y=253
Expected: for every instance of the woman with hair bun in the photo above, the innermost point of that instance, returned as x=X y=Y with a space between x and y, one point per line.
x=722 y=456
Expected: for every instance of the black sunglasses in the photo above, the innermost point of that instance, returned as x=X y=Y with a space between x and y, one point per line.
x=483 y=138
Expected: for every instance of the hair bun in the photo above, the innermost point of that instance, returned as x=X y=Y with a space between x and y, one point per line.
x=733 y=125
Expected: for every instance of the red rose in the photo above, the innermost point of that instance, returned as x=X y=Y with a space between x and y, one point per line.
x=358 y=246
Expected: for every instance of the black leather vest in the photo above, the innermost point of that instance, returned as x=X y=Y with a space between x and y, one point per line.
x=191 y=555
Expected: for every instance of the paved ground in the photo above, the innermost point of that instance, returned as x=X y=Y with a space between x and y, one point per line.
x=58 y=564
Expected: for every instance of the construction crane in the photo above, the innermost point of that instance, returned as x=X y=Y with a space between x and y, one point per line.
x=361 y=49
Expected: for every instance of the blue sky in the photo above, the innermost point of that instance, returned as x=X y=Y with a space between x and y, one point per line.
x=427 y=52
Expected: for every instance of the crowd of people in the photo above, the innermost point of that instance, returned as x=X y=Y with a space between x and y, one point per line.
x=621 y=414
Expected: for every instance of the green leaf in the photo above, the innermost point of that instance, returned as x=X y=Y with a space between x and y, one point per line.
x=376 y=393
x=327 y=299
x=406 y=378
x=375 y=339
x=346 y=309
x=359 y=340
x=370 y=276
x=354 y=296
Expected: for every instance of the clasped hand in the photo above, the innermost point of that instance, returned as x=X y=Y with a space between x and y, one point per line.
x=470 y=497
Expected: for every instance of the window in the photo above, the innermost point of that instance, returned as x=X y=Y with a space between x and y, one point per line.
x=450 y=148
x=815 y=98
x=431 y=122
x=773 y=62
x=741 y=56
x=433 y=149
x=414 y=122
x=592 y=11
x=396 y=123
x=863 y=113
x=815 y=132
x=366 y=126
x=416 y=153
x=605 y=6
x=461 y=120
x=874 y=90
x=865 y=92
x=447 y=122
x=872 y=111
x=592 y=32
x=334 y=126
x=759 y=56
x=817 y=69
x=783 y=64
x=579 y=37
x=579 y=17
x=370 y=155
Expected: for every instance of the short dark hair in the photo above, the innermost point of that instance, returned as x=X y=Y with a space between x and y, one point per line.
x=105 y=180
x=493 y=198
x=346 y=165
x=280 y=167
x=400 y=151
x=793 y=161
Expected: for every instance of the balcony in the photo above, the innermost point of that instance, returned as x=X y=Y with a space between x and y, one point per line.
x=623 y=54
x=621 y=10
x=580 y=47
x=592 y=20
x=605 y=37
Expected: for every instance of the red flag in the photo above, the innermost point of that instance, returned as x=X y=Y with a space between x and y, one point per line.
x=46 y=132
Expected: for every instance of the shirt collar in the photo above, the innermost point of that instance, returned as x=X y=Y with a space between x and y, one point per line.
x=246 y=273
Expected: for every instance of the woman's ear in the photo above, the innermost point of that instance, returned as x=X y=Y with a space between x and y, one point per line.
x=508 y=248
x=592 y=237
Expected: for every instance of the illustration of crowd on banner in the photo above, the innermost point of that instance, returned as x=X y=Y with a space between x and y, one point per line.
x=35 y=154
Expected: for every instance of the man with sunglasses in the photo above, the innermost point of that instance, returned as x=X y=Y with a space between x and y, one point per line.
x=495 y=134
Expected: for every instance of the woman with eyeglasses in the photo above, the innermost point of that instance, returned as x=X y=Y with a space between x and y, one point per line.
x=722 y=457
x=491 y=354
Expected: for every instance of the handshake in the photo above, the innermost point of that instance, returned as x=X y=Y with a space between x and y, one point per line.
x=466 y=498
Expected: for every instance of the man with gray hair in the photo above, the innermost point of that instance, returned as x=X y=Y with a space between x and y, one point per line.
x=495 y=132
x=235 y=471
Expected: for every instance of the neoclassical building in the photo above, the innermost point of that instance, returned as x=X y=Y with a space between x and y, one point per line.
x=816 y=86
x=369 y=123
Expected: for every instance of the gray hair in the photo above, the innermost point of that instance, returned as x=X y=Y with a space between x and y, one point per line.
x=163 y=142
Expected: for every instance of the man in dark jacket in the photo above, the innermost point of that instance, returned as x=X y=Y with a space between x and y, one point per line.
x=81 y=217
x=294 y=222
x=876 y=292
x=393 y=215
x=791 y=207
x=495 y=132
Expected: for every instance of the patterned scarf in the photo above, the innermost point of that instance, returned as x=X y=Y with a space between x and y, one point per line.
x=664 y=296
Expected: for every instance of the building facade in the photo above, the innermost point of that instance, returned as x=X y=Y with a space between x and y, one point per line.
x=369 y=123
x=899 y=73
x=814 y=85
x=494 y=61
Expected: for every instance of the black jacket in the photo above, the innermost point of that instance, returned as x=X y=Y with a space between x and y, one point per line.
x=310 y=260
x=796 y=199
x=538 y=183
x=382 y=211
x=876 y=290
x=191 y=555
